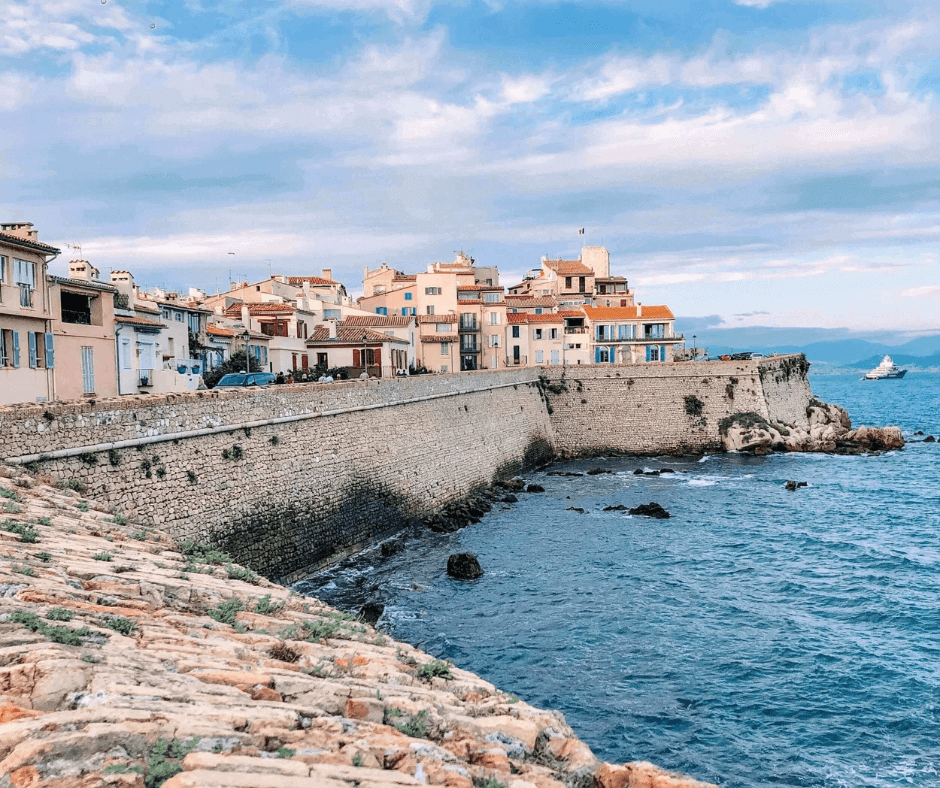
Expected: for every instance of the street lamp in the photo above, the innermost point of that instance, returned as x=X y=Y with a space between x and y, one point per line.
x=247 y=336
x=694 y=351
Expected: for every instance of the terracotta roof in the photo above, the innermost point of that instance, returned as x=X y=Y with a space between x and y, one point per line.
x=610 y=279
x=524 y=317
x=351 y=335
x=13 y=239
x=478 y=287
x=569 y=267
x=628 y=312
x=405 y=278
x=440 y=338
x=448 y=318
x=235 y=310
x=389 y=321
x=138 y=321
x=522 y=302
x=219 y=332
x=469 y=302
x=571 y=313
x=298 y=281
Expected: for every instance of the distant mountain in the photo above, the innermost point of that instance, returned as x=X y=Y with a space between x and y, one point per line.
x=839 y=347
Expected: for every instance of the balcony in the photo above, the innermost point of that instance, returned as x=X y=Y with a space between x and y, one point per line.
x=145 y=378
x=516 y=362
x=469 y=325
x=76 y=316
x=575 y=330
x=671 y=340
x=469 y=347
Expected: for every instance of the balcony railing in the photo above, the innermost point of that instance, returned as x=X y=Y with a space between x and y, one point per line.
x=643 y=340
x=469 y=325
x=575 y=330
x=72 y=316
x=516 y=362
x=469 y=347
x=146 y=377
x=26 y=295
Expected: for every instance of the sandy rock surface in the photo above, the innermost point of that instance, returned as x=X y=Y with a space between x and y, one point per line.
x=125 y=662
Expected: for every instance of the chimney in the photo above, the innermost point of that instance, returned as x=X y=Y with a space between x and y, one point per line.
x=639 y=309
x=328 y=274
x=82 y=269
x=22 y=230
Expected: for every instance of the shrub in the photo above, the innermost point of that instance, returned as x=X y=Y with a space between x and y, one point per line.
x=416 y=726
x=76 y=485
x=241 y=573
x=26 y=532
x=57 y=634
x=60 y=614
x=283 y=653
x=89 y=459
x=102 y=556
x=44 y=521
x=191 y=476
x=285 y=752
x=200 y=553
x=120 y=519
x=166 y=760
x=114 y=457
x=693 y=405
x=145 y=466
x=226 y=612
x=7 y=493
x=235 y=453
x=487 y=782
x=24 y=570
x=265 y=607
x=140 y=536
x=119 y=624
x=44 y=557
x=435 y=669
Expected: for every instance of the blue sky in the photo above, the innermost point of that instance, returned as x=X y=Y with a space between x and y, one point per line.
x=770 y=162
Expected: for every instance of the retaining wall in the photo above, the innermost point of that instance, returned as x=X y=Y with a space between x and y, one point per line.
x=289 y=478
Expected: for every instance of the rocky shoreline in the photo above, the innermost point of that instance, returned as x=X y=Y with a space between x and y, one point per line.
x=128 y=660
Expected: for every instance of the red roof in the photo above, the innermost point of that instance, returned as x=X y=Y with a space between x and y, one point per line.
x=525 y=301
x=15 y=239
x=138 y=321
x=235 y=310
x=448 y=318
x=569 y=267
x=352 y=335
x=389 y=321
x=298 y=281
x=218 y=331
x=478 y=287
x=524 y=317
x=440 y=338
x=628 y=312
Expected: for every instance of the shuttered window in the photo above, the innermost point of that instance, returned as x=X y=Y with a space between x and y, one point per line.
x=88 y=370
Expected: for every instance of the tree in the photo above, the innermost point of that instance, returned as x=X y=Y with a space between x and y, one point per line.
x=235 y=363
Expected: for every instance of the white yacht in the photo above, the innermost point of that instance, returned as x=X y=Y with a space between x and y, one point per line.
x=885 y=370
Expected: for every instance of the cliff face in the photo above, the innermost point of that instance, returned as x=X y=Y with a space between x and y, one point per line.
x=128 y=660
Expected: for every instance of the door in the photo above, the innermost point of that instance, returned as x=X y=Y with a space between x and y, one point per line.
x=515 y=354
x=88 y=370
x=321 y=360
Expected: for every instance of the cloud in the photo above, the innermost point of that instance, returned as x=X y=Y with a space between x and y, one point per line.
x=756 y=3
x=920 y=292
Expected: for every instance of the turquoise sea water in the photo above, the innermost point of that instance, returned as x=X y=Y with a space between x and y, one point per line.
x=759 y=637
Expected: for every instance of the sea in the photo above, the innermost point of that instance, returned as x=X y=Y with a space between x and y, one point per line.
x=758 y=637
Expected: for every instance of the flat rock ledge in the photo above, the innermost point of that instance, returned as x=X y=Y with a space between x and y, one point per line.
x=124 y=662
x=827 y=428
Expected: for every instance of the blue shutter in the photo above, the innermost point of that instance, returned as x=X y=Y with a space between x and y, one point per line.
x=649 y=352
x=50 y=352
x=33 y=360
x=16 y=348
x=662 y=352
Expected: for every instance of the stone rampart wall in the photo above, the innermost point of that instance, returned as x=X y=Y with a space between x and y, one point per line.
x=292 y=477
x=669 y=408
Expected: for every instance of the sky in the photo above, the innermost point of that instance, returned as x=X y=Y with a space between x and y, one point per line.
x=759 y=162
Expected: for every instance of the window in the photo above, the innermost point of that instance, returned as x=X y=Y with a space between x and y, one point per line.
x=408 y=296
x=652 y=353
x=444 y=367
x=494 y=318
x=166 y=314
x=125 y=354
x=432 y=291
x=24 y=273
x=536 y=333
x=442 y=328
x=494 y=340
x=381 y=310
x=430 y=309
x=192 y=321
x=654 y=330
x=444 y=350
x=515 y=332
x=538 y=356
x=601 y=355
x=88 y=370
x=9 y=348
x=538 y=311
x=605 y=332
x=177 y=316
x=41 y=350
x=332 y=314
x=554 y=357
x=567 y=283
x=582 y=284
x=491 y=298
x=3 y=274
x=553 y=333
x=76 y=308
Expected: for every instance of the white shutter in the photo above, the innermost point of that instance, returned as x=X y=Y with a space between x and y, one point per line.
x=88 y=370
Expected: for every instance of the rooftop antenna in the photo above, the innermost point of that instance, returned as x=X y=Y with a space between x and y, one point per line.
x=76 y=246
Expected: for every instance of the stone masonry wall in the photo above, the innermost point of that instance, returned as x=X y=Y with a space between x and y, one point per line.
x=669 y=408
x=296 y=494
x=289 y=478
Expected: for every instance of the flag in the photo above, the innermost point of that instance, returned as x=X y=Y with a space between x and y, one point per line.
x=581 y=231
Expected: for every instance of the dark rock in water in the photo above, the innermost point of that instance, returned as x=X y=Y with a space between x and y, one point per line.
x=641 y=472
x=509 y=498
x=598 y=471
x=919 y=432
x=577 y=509
x=563 y=473
x=618 y=508
x=930 y=439
x=371 y=612
x=791 y=485
x=651 y=509
x=535 y=488
x=513 y=485
x=666 y=470
x=389 y=548
x=464 y=566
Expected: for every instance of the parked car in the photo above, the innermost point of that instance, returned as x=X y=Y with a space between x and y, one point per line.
x=238 y=380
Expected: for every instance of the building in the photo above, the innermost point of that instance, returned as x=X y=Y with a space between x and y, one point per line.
x=84 y=326
x=27 y=344
x=399 y=326
x=631 y=335
x=359 y=349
